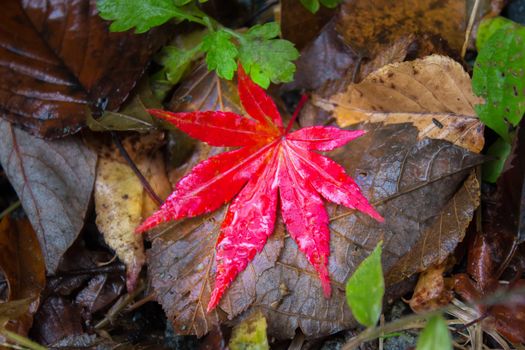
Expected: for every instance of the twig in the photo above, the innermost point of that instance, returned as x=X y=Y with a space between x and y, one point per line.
x=10 y=209
x=21 y=340
x=119 y=306
x=471 y=20
x=136 y=170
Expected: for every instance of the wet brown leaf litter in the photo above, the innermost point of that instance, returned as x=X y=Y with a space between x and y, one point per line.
x=88 y=164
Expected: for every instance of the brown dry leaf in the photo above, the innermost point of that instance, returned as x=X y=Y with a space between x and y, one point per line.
x=59 y=59
x=121 y=202
x=54 y=181
x=432 y=290
x=434 y=94
x=369 y=25
x=410 y=181
x=22 y=265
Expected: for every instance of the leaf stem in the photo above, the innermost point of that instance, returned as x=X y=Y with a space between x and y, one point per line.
x=300 y=106
x=149 y=190
x=21 y=340
x=10 y=209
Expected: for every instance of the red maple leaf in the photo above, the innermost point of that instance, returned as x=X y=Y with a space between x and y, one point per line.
x=270 y=163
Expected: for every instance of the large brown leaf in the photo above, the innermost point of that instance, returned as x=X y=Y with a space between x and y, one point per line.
x=53 y=180
x=57 y=58
x=370 y=25
x=411 y=181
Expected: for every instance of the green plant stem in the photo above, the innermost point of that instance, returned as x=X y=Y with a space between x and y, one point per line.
x=232 y=33
x=414 y=320
x=10 y=209
x=21 y=340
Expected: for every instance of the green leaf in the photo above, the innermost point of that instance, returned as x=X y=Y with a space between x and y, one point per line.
x=250 y=334
x=488 y=27
x=435 y=335
x=311 y=5
x=499 y=77
x=365 y=289
x=220 y=53
x=267 y=59
x=492 y=169
x=141 y=14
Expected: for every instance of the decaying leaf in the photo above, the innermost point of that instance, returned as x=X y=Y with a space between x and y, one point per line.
x=53 y=180
x=432 y=290
x=22 y=265
x=121 y=201
x=434 y=94
x=250 y=334
x=410 y=181
x=369 y=25
x=60 y=59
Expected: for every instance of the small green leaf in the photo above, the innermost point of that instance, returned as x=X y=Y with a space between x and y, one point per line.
x=499 y=77
x=220 y=53
x=365 y=289
x=488 y=27
x=263 y=31
x=142 y=14
x=268 y=60
x=492 y=169
x=311 y=5
x=250 y=334
x=435 y=335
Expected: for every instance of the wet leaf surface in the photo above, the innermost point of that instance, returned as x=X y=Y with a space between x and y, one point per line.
x=53 y=180
x=58 y=59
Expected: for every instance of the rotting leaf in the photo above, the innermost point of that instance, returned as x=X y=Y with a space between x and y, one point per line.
x=432 y=290
x=23 y=267
x=434 y=94
x=61 y=59
x=53 y=180
x=365 y=289
x=412 y=182
x=121 y=202
x=250 y=334
x=368 y=25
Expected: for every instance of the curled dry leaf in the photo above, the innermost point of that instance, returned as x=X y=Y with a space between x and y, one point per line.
x=434 y=94
x=53 y=180
x=369 y=25
x=22 y=265
x=121 y=201
x=432 y=290
x=60 y=59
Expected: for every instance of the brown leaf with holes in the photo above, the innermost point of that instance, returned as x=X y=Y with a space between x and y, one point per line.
x=54 y=180
x=370 y=25
x=58 y=58
x=22 y=265
x=434 y=94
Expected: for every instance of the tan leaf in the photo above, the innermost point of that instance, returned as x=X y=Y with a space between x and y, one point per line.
x=368 y=25
x=121 y=201
x=434 y=94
